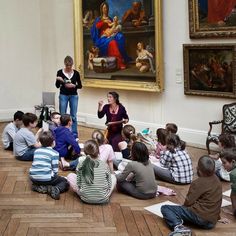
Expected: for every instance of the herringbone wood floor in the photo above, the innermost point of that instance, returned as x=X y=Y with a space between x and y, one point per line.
x=24 y=212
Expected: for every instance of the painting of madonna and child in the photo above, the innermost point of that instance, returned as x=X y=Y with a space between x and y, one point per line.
x=119 y=40
x=209 y=70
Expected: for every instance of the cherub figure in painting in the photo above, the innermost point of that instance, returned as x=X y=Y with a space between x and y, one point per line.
x=92 y=53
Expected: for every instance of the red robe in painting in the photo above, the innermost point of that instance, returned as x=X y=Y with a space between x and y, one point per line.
x=219 y=9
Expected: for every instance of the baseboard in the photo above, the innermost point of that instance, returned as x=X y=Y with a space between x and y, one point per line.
x=195 y=138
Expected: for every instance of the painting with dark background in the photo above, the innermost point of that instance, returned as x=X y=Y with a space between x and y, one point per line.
x=132 y=33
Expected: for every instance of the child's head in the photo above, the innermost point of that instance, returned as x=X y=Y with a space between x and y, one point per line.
x=66 y=120
x=173 y=141
x=98 y=136
x=228 y=158
x=18 y=118
x=226 y=140
x=171 y=128
x=139 y=152
x=46 y=139
x=29 y=120
x=161 y=136
x=206 y=166
x=55 y=117
x=127 y=131
x=115 y=19
x=91 y=148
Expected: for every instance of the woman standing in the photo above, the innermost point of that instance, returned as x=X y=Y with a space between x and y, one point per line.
x=68 y=80
x=116 y=115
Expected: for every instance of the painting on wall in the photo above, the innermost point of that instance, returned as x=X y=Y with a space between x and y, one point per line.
x=209 y=70
x=118 y=44
x=212 y=18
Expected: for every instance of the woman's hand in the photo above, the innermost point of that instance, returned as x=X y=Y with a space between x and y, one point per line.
x=100 y=105
x=125 y=121
x=60 y=79
x=69 y=85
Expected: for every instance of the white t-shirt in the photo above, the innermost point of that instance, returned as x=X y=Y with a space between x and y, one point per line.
x=24 y=138
x=8 y=134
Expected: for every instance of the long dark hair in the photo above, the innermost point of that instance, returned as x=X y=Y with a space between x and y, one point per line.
x=139 y=152
x=115 y=95
x=173 y=141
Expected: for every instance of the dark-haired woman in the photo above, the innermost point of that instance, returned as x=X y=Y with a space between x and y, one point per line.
x=138 y=178
x=116 y=116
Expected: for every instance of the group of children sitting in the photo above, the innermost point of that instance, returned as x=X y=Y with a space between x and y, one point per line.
x=143 y=160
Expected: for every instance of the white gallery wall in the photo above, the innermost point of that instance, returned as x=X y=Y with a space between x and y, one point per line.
x=20 y=60
x=38 y=34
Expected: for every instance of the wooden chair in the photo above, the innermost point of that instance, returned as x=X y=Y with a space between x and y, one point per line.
x=228 y=124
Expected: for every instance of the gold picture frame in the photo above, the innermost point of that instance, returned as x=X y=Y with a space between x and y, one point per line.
x=209 y=70
x=130 y=78
x=214 y=20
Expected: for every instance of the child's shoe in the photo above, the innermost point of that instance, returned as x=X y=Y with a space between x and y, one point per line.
x=54 y=192
x=181 y=230
x=39 y=188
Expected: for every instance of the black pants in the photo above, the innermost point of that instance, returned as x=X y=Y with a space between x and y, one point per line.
x=129 y=188
x=57 y=181
x=10 y=147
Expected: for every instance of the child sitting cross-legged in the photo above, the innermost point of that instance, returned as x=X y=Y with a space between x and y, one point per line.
x=44 y=170
x=138 y=179
x=228 y=158
x=93 y=181
x=175 y=163
x=202 y=204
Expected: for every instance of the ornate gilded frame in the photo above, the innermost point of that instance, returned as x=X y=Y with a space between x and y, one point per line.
x=199 y=72
x=125 y=84
x=198 y=30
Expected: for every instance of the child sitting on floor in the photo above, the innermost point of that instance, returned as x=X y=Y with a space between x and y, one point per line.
x=10 y=130
x=228 y=158
x=55 y=121
x=138 y=179
x=44 y=170
x=175 y=163
x=66 y=143
x=225 y=141
x=93 y=181
x=202 y=204
x=25 y=142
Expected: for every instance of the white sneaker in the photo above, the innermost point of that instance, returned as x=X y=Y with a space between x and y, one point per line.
x=181 y=230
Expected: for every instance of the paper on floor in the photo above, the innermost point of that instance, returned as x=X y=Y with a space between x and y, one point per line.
x=156 y=209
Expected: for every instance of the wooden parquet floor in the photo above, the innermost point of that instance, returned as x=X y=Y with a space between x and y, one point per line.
x=23 y=212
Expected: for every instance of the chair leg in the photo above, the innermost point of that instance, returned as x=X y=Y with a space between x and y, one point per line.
x=208 y=146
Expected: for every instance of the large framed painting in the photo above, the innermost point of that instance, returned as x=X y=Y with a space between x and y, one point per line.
x=209 y=70
x=212 y=18
x=118 y=44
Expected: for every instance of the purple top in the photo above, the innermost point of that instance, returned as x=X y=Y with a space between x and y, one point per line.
x=121 y=114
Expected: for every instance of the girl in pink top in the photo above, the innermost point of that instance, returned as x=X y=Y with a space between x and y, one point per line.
x=106 y=152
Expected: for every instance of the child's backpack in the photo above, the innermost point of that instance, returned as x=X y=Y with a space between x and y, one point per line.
x=44 y=116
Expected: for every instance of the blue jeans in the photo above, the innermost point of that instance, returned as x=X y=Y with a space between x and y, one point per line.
x=73 y=104
x=28 y=155
x=177 y=215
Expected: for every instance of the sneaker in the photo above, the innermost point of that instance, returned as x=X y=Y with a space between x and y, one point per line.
x=39 y=188
x=54 y=192
x=181 y=230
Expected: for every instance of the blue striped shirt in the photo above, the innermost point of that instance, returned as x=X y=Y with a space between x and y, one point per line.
x=45 y=164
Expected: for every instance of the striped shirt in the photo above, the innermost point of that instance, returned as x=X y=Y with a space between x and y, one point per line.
x=45 y=164
x=179 y=164
x=98 y=191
